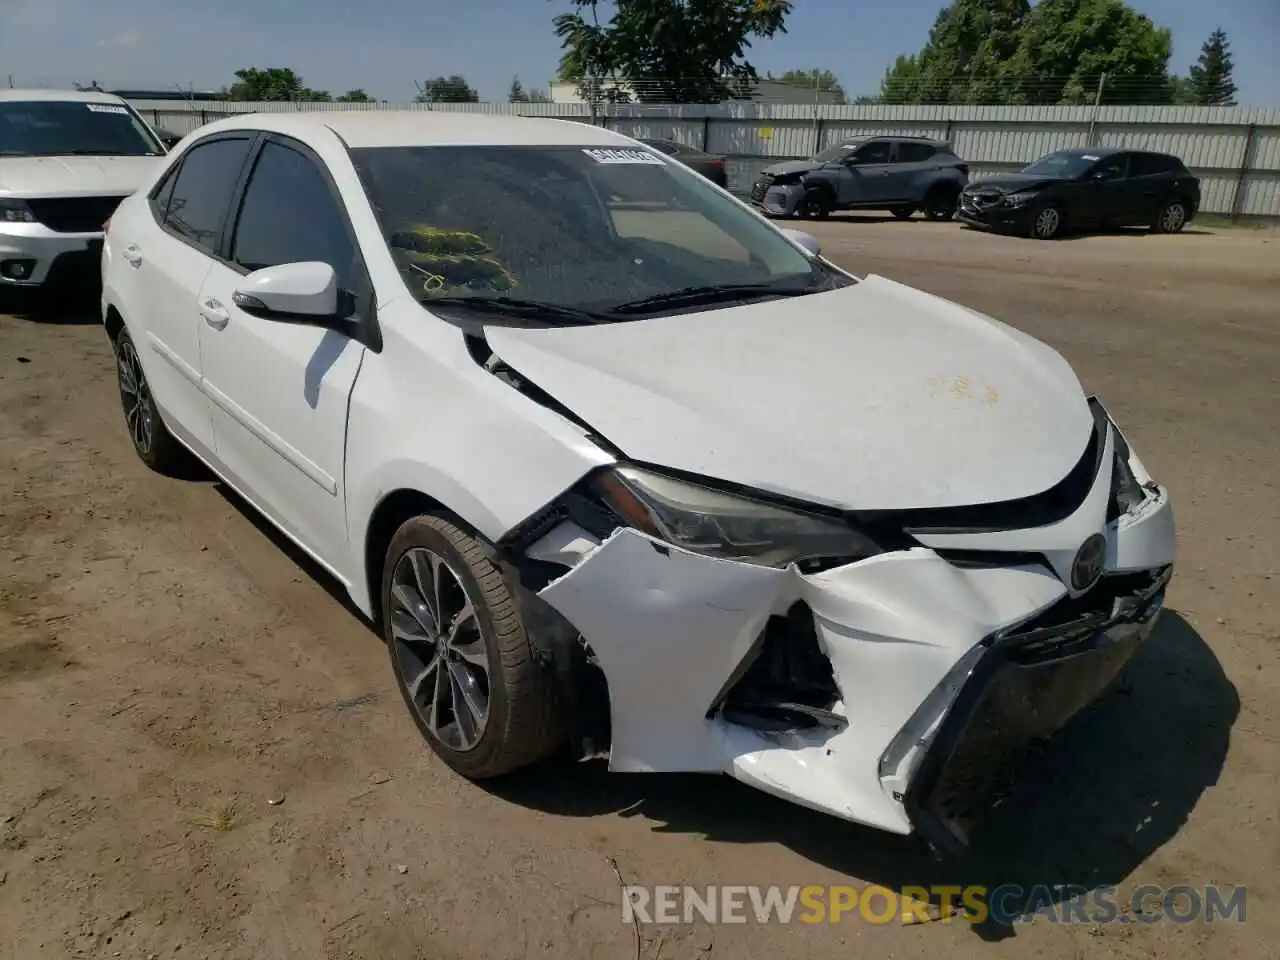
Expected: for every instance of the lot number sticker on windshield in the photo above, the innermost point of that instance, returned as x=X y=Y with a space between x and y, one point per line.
x=623 y=156
x=106 y=108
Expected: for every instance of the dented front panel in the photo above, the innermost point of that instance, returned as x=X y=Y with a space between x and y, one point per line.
x=670 y=627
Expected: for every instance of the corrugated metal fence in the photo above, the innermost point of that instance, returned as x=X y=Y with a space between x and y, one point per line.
x=1234 y=150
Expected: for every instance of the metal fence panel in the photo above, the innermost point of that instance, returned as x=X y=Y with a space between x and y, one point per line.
x=1234 y=150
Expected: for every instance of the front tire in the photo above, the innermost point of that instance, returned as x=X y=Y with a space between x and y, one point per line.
x=903 y=213
x=461 y=655
x=1047 y=222
x=1172 y=218
x=152 y=441
x=815 y=205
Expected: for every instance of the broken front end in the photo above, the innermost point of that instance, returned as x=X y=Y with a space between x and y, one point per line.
x=888 y=669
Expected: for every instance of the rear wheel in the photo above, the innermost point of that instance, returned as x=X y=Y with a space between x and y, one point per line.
x=152 y=441
x=903 y=213
x=461 y=655
x=941 y=203
x=1172 y=217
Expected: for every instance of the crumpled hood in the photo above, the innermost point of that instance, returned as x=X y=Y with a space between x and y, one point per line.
x=791 y=166
x=1012 y=182
x=873 y=396
x=74 y=176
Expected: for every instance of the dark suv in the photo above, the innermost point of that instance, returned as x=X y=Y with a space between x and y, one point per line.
x=899 y=174
x=1086 y=187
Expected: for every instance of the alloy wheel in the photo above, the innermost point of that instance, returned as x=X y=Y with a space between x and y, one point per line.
x=1048 y=221
x=441 y=650
x=1173 y=218
x=136 y=397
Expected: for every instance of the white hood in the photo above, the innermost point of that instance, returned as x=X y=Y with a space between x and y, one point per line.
x=872 y=397
x=74 y=176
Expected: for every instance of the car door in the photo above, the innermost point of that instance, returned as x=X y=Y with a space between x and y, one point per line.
x=1108 y=196
x=279 y=391
x=909 y=164
x=867 y=175
x=169 y=255
x=1149 y=182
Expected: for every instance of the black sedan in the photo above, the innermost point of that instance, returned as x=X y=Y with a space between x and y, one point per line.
x=709 y=165
x=1088 y=187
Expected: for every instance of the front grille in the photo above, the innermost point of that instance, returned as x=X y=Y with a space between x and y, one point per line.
x=74 y=214
x=760 y=188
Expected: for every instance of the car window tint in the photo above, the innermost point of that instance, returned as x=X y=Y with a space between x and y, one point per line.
x=160 y=199
x=914 y=152
x=289 y=215
x=1112 y=167
x=1146 y=165
x=877 y=152
x=203 y=189
x=666 y=146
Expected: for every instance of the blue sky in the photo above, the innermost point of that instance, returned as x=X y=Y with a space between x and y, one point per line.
x=383 y=45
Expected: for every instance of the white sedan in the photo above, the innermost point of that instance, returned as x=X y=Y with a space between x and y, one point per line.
x=612 y=461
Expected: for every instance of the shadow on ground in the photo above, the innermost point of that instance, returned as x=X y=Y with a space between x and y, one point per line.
x=1070 y=235
x=1118 y=784
x=75 y=303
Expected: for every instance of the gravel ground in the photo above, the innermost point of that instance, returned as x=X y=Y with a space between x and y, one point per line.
x=202 y=753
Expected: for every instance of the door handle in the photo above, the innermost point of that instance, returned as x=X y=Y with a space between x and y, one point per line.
x=214 y=313
x=133 y=253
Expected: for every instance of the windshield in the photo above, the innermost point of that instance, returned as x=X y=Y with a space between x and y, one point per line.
x=583 y=228
x=52 y=128
x=1064 y=165
x=838 y=152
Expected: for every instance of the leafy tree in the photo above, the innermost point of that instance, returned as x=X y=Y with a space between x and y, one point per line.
x=1181 y=91
x=452 y=89
x=538 y=96
x=674 y=51
x=516 y=94
x=901 y=83
x=967 y=47
x=355 y=96
x=1064 y=47
x=272 y=83
x=823 y=80
x=1211 y=81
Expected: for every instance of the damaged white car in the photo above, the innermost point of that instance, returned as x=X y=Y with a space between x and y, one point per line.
x=614 y=462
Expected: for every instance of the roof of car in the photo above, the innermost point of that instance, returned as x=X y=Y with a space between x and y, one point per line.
x=408 y=128
x=72 y=96
x=1098 y=152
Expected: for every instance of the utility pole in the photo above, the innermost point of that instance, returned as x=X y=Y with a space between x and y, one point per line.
x=1097 y=105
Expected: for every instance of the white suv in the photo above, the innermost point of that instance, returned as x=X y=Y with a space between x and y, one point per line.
x=612 y=460
x=66 y=160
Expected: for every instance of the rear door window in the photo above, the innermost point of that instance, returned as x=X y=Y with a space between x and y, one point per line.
x=201 y=195
x=914 y=152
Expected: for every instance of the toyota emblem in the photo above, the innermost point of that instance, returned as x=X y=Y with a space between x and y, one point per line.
x=1086 y=568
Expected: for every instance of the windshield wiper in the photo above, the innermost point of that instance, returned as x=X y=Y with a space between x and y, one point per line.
x=714 y=293
x=522 y=309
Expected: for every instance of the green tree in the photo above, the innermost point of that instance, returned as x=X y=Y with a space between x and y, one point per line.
x=901 y=82
x=453 y=89
x=355 y=96
x=674 y=51
x=538 y=96
x=272 y=83
x=1065 y=46
x=823 y=80
x=968 y=45
x=516 y=94
x=1181 y=91
x=1211 y=81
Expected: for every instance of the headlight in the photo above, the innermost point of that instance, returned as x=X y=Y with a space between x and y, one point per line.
x=1018 y=199
x=15 y=211
x=730 y=527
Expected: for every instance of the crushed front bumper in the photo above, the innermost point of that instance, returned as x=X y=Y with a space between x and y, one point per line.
x=776 y=200
x=897 y=691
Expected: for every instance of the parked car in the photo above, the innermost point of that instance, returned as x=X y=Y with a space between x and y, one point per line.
x=66 y=159
x=710 y=165
x=610 y=460
x=1086 y=187
x=898 y=174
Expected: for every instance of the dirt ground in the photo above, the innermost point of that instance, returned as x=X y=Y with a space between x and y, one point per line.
x=202 y=753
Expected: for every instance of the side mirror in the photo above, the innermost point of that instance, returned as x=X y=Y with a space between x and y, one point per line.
x=805 y=240
x=292 y=293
